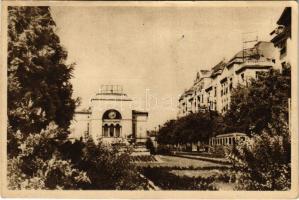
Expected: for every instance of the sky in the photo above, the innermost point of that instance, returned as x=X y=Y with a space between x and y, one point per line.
x=154 y=52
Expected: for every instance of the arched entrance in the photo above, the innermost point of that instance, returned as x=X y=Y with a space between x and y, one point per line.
x=111 y=123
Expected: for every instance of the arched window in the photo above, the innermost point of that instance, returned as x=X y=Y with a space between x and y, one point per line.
x=111 y=130
x=111 y=123
x=117 y=130
x=105 y=130
x=111 y=114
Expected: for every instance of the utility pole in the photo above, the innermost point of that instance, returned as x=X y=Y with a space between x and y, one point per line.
x=248 y=39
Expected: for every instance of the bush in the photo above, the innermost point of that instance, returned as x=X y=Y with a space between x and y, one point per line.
x=163 y=150
x=107 y=167
x=263 y=162
x=168 y=181
x=39 y=165
x=44 y=162
x=219 y=151
x=150 y=146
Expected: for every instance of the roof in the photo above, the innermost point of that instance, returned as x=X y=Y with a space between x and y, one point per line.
x=217 y=69
x=190 y=91
x=187 y=92
x=286 y=17
x=231 y=135
x=283 y=31
x=201 y=75
x=136 y=112
x=261 y=48
x=205 y=72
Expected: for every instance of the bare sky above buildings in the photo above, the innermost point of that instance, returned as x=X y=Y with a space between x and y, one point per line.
x=153 y=52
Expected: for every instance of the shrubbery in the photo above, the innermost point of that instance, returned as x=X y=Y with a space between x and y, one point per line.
x=40 y=109
x=150 y=146
x=40 y=165
x=164 y=179
x=163 y=150
x=263 y=161
x=106 y=166
x=45 y=162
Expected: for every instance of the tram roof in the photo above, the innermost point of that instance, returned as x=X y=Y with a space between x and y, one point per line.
x=231 y=135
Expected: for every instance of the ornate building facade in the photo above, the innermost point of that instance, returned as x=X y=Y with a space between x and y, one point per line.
x=112 y=118
x=212 y=88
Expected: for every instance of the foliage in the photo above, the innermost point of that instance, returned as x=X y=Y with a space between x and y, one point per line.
x=191 y=128
x=39 y=88
x=107 y=167
x=150 y=146
x=40 y=104
x=264 y=102
x=263 y=163
x=164 y=179
x=40 y=108
x=218 y=151
x=163 y=150
x=39 y=164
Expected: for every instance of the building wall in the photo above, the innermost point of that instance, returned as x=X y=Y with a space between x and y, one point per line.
x=216 y=90
x=99 y=107
x=79 y=126
x=141 y=134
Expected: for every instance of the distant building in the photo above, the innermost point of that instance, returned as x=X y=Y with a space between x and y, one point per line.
x=282 y=36
x=111 y=117
x=194 y=99
x=212 y=89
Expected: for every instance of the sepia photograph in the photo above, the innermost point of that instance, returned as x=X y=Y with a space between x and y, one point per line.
x=149 y=97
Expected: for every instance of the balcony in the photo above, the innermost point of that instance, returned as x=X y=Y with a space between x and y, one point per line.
x=254 y=64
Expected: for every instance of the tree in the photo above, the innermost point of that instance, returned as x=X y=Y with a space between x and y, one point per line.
x=191 y=128
x=39 y=90
x=165 y=134
x=40 y=104
x=264 y=101
x=40 y=108
x=263 y=161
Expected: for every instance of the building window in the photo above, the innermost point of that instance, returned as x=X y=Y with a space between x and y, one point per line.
x=215 y=91
x=105 y=130
x=242 y=76
x=117 y=130
x=111 y=131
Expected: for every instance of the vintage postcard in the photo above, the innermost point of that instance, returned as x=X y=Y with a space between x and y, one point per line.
x=149 y=99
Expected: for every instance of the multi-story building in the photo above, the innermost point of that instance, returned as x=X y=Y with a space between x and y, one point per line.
x=194 y=99
x=212 y=89
x=282 y=37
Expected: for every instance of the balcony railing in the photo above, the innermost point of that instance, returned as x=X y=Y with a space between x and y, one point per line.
x=257 y=63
